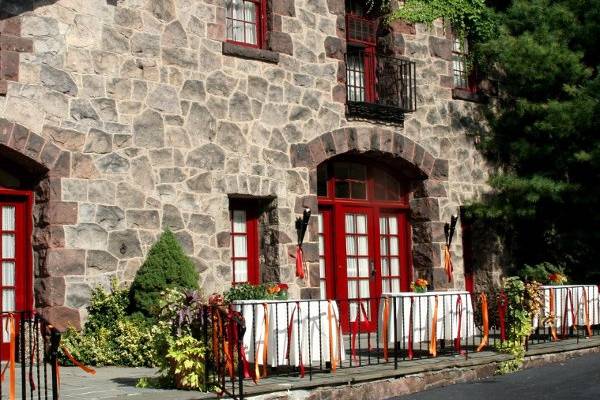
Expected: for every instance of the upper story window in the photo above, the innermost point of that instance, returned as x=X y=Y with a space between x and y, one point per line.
x=377 y=86
x=464 y=77
x=246 y=22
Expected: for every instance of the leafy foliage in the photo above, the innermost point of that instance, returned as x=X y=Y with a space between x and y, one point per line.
x=544 y=134
x=524 y=302
x=110 y=337
x=166 y=267
x=469 y=18
x=540 y=272
x=263 y=291
x=180 y=356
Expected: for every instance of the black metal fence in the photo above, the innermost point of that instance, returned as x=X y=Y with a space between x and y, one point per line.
x=28 y=351
x=379 y=86
x=255 y=340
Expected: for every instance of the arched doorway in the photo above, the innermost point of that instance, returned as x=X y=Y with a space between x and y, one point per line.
x=364 y=236
x=17 y=180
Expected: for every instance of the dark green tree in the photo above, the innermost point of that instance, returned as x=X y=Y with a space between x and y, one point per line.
x=166 y=266
x=544 y=133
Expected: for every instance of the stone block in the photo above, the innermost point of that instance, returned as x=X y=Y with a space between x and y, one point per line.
x=124 y=244
x=335 y=48
x=63 y=262
x=62 y=318
x=59 y=213
x=281 y=42
x=425 y=209
x=49 y=291
x=15 y=43
x=440 y=47
x=143 y=219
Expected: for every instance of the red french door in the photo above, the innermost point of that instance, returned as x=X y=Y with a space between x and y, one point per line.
x=357 y=272
x=15 y=257
x=364 y=242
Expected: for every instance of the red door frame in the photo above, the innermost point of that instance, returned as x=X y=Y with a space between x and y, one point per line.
x=22 y=200
x=336 y=282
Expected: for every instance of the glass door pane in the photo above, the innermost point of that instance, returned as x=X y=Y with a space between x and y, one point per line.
x=357 y=265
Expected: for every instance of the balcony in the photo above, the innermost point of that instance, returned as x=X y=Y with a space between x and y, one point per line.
x=379 y=87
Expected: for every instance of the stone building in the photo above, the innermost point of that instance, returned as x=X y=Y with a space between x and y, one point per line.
x=222 y=120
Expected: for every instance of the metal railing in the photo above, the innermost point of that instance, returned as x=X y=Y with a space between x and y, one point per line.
x=28 y=350
x=304 y=338
x=378 y=86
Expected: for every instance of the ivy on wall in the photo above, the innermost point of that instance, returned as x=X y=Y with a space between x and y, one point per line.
x=468 y=18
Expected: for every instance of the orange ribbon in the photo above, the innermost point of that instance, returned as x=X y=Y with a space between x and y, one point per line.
x=76 y=363
x=265 y=345
x=332 y=354
x=448 y=262
x=10 y=329
x=486 y=323
x=386 y=317
x=552 y=316
x=433 y=339
x=586 y=313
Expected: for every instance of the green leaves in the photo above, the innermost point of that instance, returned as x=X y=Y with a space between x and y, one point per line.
x=543 y=139
x=469 y=18
x=166 y=266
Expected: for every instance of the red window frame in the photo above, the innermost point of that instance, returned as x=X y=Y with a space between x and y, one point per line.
x=251 y=235
x=460 y=54
x=260 y=24
x=365 y=48
x=23 y=274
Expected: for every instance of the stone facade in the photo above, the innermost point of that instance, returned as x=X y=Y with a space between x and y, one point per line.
x=139 y=118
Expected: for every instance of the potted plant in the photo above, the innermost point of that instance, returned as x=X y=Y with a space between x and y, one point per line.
x=556 y=279
x=419 y=286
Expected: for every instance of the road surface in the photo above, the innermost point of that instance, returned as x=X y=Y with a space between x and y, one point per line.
x=574 y=379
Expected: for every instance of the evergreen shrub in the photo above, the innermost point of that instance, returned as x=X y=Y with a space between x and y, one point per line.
x=165 y=267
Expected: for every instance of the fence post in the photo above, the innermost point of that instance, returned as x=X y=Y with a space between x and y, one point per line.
x=240 y=343
x=54 y=343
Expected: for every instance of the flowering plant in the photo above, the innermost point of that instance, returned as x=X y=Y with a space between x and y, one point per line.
x=557 y=279
x=262 y=291
x=419 y=286
x=278 y=291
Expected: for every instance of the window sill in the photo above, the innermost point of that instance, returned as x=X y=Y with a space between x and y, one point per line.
x=467 y=95
x=251 y=53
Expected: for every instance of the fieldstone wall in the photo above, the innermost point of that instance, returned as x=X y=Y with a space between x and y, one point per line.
x=157 y=122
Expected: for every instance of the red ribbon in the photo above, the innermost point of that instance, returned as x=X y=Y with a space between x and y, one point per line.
x=289 y=339
x=233 y=333
x=410 y=329
x=355 y=328
x=299 y=262
x=459 y=310
x=502 y=306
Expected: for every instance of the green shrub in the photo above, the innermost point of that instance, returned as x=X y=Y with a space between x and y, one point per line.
x=540 y=272
x=180 y=356
x=110 y=337
x=166 y=267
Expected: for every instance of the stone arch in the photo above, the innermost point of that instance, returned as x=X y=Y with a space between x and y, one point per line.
x=369 y=139
x=427 y=173
x=44 y=164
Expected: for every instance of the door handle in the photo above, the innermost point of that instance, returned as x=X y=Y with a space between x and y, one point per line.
x=372 y=267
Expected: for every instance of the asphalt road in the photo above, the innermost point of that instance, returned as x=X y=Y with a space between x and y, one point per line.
x=577 y=378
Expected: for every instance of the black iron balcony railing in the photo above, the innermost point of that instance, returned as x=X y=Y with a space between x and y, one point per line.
x=379 y=87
